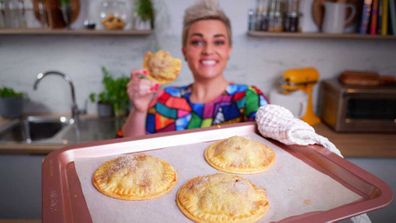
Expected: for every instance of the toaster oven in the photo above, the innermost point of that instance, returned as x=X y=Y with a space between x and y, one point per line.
x=357 y=109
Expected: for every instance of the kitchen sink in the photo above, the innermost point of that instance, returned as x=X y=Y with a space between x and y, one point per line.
x=59 y=130
x=33 y=128
x=92 y=130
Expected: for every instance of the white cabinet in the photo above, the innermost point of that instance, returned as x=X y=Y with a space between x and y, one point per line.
x=20 y=187
x=384 y=169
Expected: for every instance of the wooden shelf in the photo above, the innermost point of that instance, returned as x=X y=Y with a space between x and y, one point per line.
x=75 y=32
x=319 y=35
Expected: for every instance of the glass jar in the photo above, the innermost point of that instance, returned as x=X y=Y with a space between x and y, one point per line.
x=113 y=14
x=275 y=16
x=13 y=14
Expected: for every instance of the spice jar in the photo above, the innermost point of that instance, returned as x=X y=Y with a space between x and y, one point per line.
x=275 y=16
x=292 y=16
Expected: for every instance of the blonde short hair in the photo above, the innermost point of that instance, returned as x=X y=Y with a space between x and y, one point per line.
x=205 y=10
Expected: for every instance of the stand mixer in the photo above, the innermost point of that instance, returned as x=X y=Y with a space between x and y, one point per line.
x=302 y=79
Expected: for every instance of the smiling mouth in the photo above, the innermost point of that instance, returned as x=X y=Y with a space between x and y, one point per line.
x=208 y=62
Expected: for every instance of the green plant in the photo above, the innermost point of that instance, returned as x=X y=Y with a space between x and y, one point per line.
x=6 y=92
x=144 y=9
x=64 y=2
x=114 y=93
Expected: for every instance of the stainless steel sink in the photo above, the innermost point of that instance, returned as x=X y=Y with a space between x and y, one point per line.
x=92 y=129
x=34 y=128
x=59 y=130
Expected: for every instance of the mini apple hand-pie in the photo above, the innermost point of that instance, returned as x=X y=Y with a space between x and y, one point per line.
x=238 y=154
x=161 y=66
x=222 y=198
x=134 y=177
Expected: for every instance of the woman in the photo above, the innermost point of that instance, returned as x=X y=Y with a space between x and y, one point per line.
x=210 y=99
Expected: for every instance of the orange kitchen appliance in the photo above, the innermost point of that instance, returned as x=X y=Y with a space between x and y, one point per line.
x=302 y=79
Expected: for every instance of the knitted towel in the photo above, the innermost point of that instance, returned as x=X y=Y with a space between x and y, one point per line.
x=278 y=123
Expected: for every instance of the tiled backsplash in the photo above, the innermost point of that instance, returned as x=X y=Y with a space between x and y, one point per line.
x=258 y=61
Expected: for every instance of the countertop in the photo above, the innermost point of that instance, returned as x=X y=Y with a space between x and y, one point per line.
x=350 y=144
x=361 y=144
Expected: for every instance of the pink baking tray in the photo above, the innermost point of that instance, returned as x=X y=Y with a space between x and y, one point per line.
x=63 y=200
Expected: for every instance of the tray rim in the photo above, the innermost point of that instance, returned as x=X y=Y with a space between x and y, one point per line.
x=58 y=167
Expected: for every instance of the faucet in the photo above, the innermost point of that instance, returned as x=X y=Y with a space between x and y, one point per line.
x=74 y=109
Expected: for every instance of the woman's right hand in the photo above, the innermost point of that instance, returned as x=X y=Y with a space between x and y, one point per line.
x=141 y=91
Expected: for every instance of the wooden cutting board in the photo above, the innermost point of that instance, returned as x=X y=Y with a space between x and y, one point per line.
x=54 y=13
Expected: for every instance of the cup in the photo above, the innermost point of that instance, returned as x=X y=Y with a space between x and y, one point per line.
x=335 y=17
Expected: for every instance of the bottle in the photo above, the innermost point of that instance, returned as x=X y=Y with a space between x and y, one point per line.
x=251 y=20
x=292 y=17
x=275 y=16
x=10 y=14
x=261 y=15
x=14 y=14
x=21 y=14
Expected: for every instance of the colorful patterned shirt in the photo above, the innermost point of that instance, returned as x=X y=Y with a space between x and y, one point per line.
x=175 y=111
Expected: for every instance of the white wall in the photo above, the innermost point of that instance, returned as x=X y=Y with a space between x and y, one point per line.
x=258 y=61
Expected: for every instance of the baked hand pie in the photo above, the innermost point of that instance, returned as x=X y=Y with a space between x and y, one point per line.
x=161 y=66
x=238 y=154
x=134 y=177
x=222 y=198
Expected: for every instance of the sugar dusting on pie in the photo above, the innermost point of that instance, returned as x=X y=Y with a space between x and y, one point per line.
x=238 y=154
x=161 y=66
x=222 y=198
x=134 y=177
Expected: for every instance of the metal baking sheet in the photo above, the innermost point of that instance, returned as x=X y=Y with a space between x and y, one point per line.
x=65 y=197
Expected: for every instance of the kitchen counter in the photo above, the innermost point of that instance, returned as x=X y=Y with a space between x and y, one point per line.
x=24 y=148
x=350 y=144
x=361 y=144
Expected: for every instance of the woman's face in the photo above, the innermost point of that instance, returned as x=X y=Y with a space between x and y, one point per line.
x=207 y=49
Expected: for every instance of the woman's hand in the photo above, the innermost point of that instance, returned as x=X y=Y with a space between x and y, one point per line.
x=141 y=91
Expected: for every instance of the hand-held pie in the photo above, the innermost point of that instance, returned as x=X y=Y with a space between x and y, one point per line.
x=162 y=67
x=238 y=154
x=134 y=177
x=222 y=198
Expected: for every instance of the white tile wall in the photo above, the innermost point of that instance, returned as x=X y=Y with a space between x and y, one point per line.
x=258 y=61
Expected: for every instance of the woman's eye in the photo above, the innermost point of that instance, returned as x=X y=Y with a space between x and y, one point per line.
x=219 y=42
x=197 y=43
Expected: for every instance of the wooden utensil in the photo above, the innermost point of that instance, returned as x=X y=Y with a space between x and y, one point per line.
x=53 y=12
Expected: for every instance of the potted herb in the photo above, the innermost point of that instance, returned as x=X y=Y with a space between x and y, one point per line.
x=11 y=103
x=114 y=95
x=144 y=15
